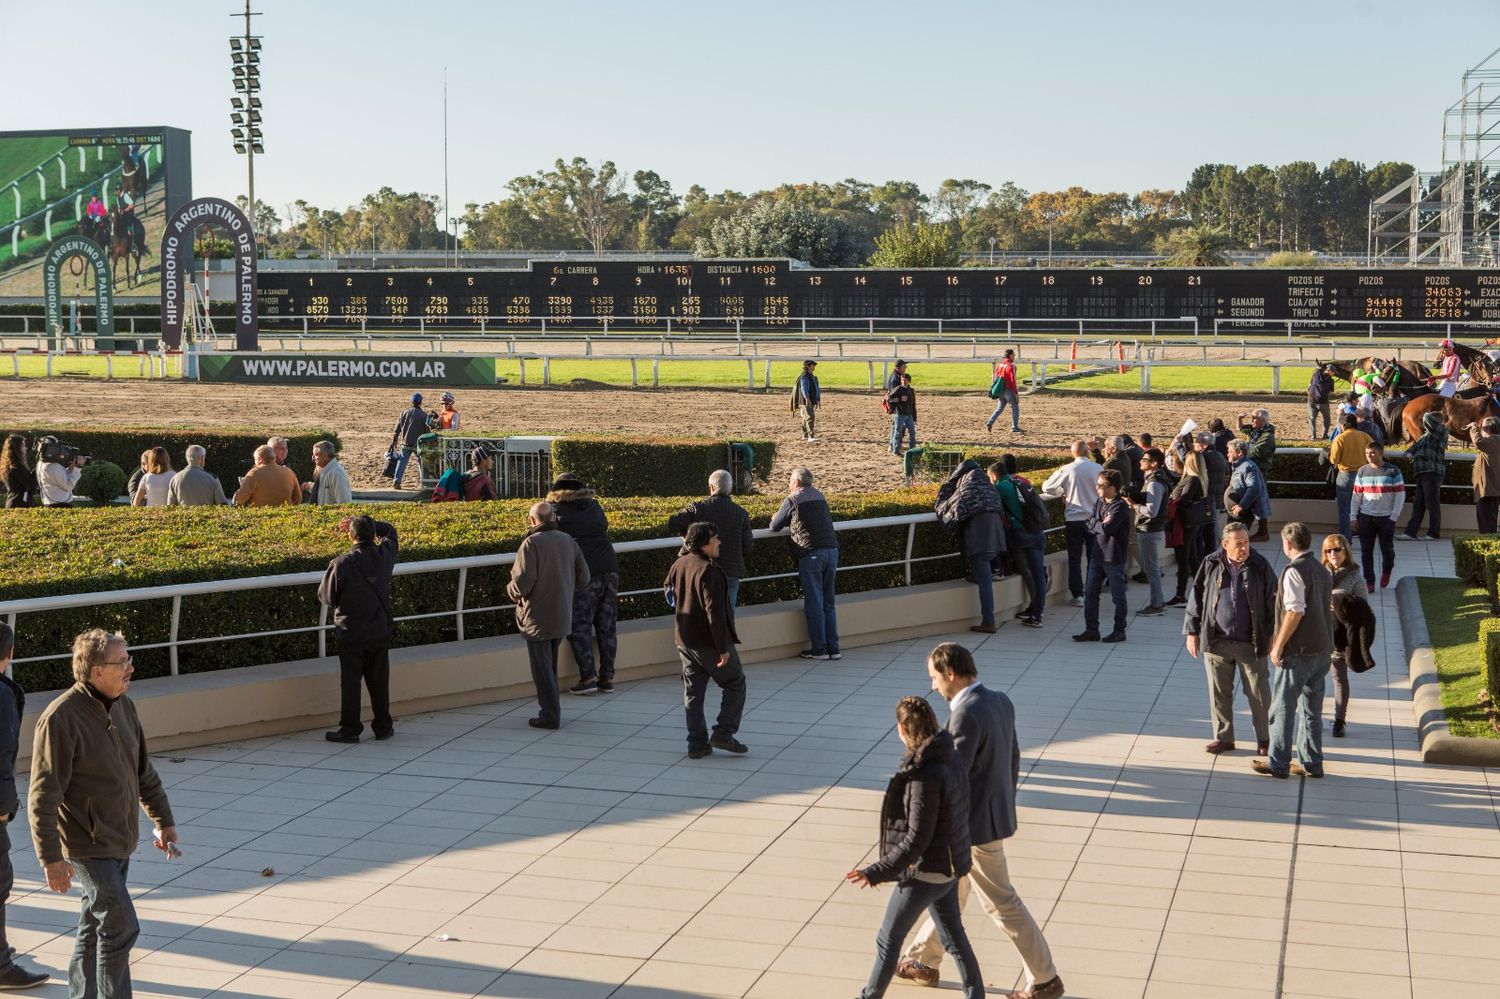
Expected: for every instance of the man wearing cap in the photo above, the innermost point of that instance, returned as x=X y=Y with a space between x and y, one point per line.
x=703 y=626
x=447 y=416
x=1448 y=371
x=409 y=429
x=897 y=370
x=479 y=484
x=806 y=397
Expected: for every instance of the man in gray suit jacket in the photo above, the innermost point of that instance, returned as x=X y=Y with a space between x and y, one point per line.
x=983 y=725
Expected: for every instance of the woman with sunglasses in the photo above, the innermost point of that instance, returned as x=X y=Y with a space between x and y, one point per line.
x=1338 y=559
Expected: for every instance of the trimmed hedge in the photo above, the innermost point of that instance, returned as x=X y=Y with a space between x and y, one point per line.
x=1489 y=645
x=48 y=552
x=229 y=451
x=1469 y=552
x=651 y=466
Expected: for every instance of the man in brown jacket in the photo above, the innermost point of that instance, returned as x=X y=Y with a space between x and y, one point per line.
x=698 y=591
x=268 y=484
x=90 y=769
x=549 y=566
x=1487 y=474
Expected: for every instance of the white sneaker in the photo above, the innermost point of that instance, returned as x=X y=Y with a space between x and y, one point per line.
x=1075 y=602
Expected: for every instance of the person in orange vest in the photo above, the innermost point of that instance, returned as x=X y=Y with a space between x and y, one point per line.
x=447 y=416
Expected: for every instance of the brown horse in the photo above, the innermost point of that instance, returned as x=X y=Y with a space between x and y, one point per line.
x=123 y=245
x=132 y=176
x=1458 y=413
x=1411 y=378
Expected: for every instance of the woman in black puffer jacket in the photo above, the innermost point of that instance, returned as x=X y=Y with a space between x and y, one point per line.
x=596 y=607
x=924 y=848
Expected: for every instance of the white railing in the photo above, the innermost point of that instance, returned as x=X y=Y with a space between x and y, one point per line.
x=12 y=609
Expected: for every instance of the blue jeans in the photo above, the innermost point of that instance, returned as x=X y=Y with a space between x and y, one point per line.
x=1007 y=398
x=1297 y=688
x=817 y=571
x=1343 y=491
x=1101 y=572
x=909 y=900
x=1079 y=544
x=401 y=460
x=1033 y=555
x=734 y=591
x=107 y=929
x=1150 y=547
x=902 y=426
x=982 y=566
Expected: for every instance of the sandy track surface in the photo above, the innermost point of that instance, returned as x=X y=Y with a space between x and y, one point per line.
x=853 y=453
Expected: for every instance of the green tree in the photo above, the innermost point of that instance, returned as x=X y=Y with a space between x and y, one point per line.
x=593 y=200
x=1264 y=204
x=917 y=244
x=1197 y=246
x=956 y=201
x=656 y=208
x=700 y=210
x=1345 y=205
x=1298 y=192
x=1386 y=175
x=1198 y=197
x=898 y=200
x=783 y=229
x=395 y=221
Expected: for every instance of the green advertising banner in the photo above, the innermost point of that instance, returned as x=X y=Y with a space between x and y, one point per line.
x=408 y=371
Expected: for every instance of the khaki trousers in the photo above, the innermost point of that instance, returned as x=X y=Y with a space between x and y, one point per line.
x=999 y=898
x=1231 y=659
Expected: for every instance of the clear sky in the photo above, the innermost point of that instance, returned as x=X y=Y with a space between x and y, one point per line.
x=1107 y=95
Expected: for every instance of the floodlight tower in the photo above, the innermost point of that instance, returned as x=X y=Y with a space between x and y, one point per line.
x=244 y=52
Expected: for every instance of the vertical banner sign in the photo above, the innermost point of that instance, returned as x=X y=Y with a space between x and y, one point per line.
x=176 y=259
x=104 y=296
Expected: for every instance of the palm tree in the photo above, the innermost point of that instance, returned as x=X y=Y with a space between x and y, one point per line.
x=1198 y=246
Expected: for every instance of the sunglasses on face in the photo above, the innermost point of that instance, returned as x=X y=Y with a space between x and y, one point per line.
x=1330 y=551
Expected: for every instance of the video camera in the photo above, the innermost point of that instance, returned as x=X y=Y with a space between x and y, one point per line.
x=62 y=454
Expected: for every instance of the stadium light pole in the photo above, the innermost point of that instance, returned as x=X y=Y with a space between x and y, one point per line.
x=244 y=53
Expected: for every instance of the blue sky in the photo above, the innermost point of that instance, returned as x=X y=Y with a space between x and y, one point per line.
x=1107 y=95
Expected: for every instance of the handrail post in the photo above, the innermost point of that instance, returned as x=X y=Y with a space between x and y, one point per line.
x=911 y=540
x=463 y=582
x=322 y=630
x=176 y=620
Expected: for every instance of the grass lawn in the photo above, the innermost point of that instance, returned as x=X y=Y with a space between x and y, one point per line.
x=1454 y=610
x=125 y=366
x=1187 y=381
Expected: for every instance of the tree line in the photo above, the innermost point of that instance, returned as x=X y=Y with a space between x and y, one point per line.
x=576 y=205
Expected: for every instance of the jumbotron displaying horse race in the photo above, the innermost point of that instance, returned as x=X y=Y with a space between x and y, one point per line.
x=573 y=585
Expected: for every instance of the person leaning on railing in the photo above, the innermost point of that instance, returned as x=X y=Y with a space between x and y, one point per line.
x=21 y=486
x=736 y=539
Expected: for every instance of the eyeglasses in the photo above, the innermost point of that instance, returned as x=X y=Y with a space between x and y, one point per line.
x=1330 y=551
x=122 y=663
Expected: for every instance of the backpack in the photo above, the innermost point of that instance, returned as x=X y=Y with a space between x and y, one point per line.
x=1034 y=515
x=449 y=487
x=885 y=402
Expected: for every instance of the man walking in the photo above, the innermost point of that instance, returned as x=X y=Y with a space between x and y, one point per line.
x=90 y=770
x=806 y=397
x=1486 y=474
x=1428 y=455
x=736 y=540
x=1301 y=651
x=1109 y=543
x=815 y=545
x=1347 y=455
x=410 y=427
x=1076 y=482
x=703 y=623
x=1230 y=618
x=549 y=567
x=1319 y=394
x=983 y=725
x=902 y=401
x=12 y=704
x=330 y=483
x=357 y=585
x=1379 y=494
x=194 y=485
x=1004 y=390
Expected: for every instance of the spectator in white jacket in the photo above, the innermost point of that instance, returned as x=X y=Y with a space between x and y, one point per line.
x=1076 y=482
x=330 y=483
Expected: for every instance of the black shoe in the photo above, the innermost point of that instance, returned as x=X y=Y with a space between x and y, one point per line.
x=538 y=723
x=1031 y=622
x=698 y=752
x=1152 y=610
x=1087 y=636
x=1177 y=602
x=812 y=654
x=17 y=977
x=729 y=744
x=339 y=735
x=1139 y=577
x=583 y=687
x=606 y=686
x=382 y=736
x=835 y=654
x=1338 y=730
x=1114 y=637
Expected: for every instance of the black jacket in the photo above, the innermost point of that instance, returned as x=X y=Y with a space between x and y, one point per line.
x=735 y=536
x=969 y=502
x=1319 y=387
x=702 y=614
x=12 y=705
x=1203 y=598
x=1110 y=524
x=357 y=585
x=903 y=401
x=805 y=513
x=924 y=820
x=1217 y=467
x=21 y=488
x=580 y=516
x=1353 y=628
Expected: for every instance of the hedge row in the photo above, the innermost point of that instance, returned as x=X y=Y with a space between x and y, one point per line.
x=647 y=466
x=46 y=552
x=230 y=452
x=1469 y=553
x=1489 y=645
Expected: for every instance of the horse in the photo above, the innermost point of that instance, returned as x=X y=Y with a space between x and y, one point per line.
x=1459 y=413
x=132 y=174
x=124 y=244
x=1412 y=378
x=1476 y=364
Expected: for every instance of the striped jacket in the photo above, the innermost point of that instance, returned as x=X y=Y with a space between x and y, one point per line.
x=1378 y=492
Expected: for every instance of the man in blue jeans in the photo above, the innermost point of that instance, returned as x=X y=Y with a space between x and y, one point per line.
x=90 y=771
x=1109 y=529
x=410 y=428
x=815 y=545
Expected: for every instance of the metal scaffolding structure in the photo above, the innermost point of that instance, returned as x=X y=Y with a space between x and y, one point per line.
x=1450 y=217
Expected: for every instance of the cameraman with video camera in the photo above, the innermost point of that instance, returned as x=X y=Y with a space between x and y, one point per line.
x=59 y=468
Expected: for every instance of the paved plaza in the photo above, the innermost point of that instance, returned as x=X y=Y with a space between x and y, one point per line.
x=474 y=856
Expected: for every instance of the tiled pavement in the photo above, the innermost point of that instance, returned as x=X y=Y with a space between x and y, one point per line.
x=473 y=856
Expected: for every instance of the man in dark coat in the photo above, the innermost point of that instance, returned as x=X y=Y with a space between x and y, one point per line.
x=549 y=568
x=12 y=704
x=410 y=428
x=357 y=585
x=703 y=623
x=983 y=725
x=736 y=539
x=1109 y=529
x=596 y=607
x=968 y=502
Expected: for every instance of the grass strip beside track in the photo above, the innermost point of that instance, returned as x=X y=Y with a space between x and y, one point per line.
x=83 y=366
x=1253 y=378
x=1454 y=610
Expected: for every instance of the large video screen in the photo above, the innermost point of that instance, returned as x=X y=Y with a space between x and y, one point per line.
x=113 y=185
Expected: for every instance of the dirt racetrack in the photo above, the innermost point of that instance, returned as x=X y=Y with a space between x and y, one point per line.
x=852 y=454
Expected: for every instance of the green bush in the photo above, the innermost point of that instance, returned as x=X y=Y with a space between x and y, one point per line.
x=1489 y=644
x=102 y=481
x=229 y=451
x=1491 y=572
x=51 y=552
x=647 y=466
x=1287 y=468
x=1469 y=553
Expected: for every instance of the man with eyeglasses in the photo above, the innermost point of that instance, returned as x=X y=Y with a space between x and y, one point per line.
x=90 y=769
